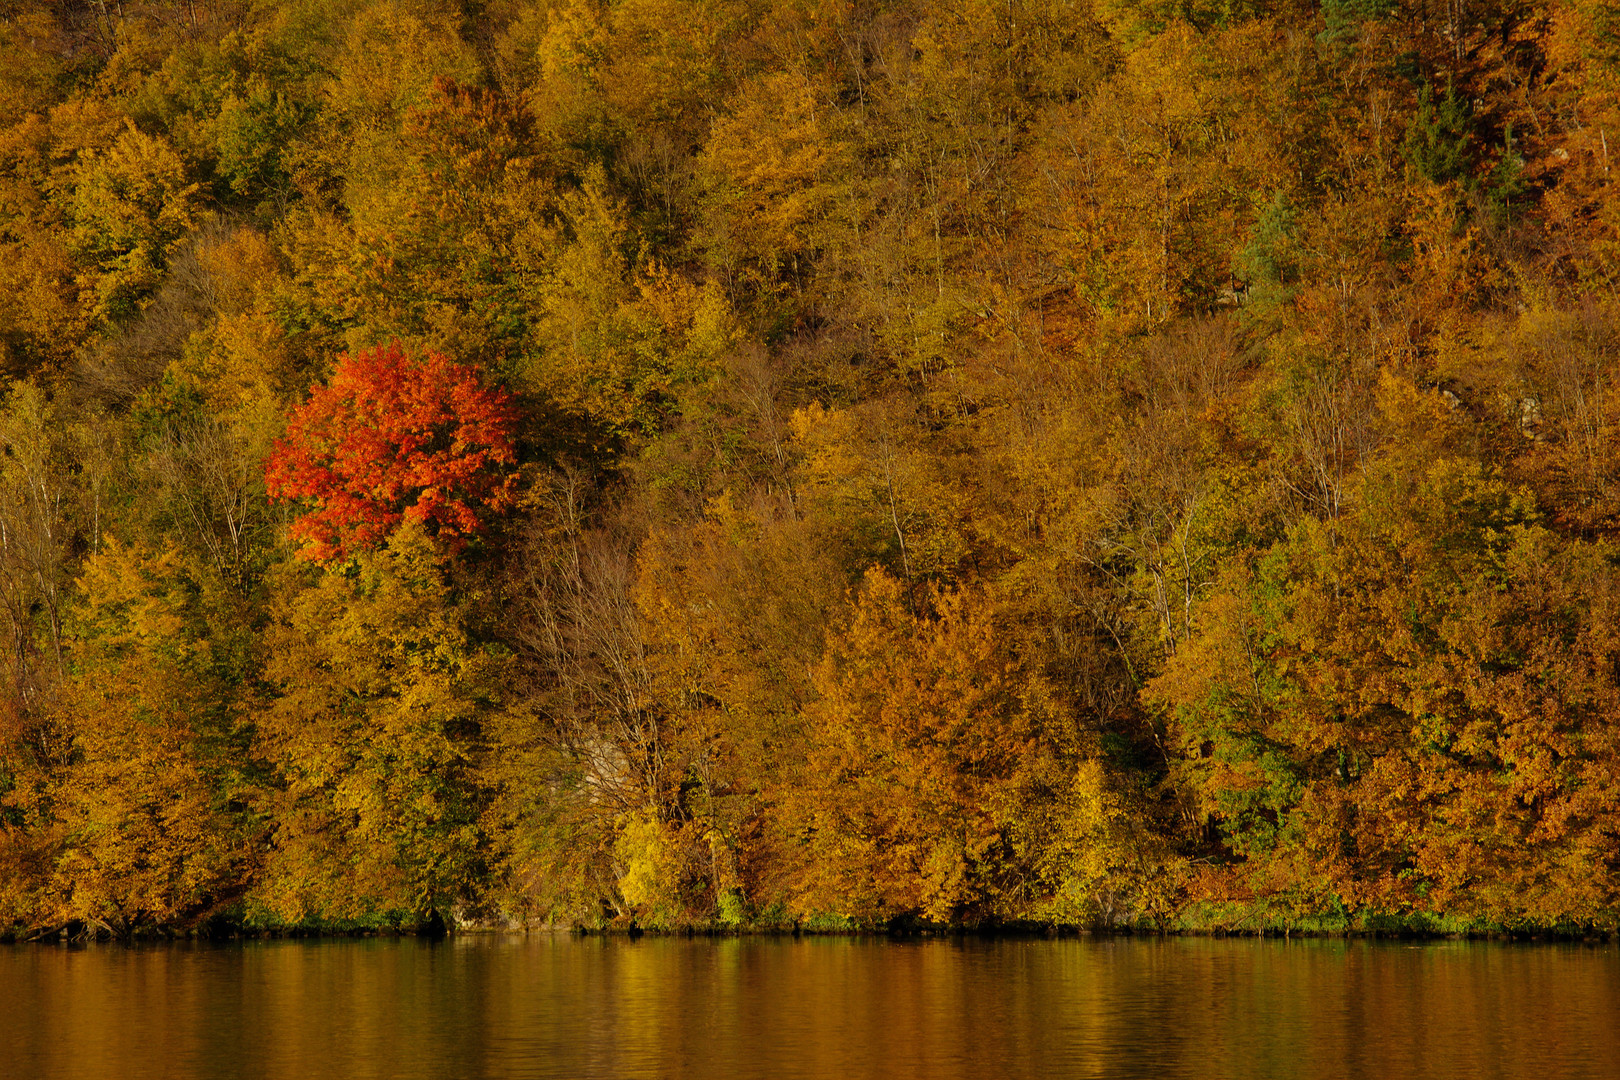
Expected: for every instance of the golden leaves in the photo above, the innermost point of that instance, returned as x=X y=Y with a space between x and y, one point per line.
x=130 y=206
x=920 y=744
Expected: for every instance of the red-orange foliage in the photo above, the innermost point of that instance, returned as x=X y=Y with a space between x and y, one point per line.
x=393 y=438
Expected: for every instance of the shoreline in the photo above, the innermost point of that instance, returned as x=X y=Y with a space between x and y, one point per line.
x=76 y=935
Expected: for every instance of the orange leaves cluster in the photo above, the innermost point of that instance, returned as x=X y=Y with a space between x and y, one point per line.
x=392 y=439
x=921 y=746
x=1411 y=715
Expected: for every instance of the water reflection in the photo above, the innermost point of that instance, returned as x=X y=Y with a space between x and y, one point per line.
x=565 y=1007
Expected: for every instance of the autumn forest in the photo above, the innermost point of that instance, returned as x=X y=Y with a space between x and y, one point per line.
x=809 y=463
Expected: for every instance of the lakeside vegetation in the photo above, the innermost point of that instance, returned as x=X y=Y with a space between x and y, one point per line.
x=726 y=463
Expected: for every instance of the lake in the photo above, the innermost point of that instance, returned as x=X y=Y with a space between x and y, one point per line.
x=562 y=1006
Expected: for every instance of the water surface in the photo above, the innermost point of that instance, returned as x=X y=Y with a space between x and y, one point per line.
x=546 y=1006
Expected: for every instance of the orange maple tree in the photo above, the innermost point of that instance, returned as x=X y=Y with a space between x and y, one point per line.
x=393 y=438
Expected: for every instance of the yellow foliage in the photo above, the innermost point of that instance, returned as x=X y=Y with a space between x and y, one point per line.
x=145 y=835
x=130 y=206
x=649 y=875
x=773 y=165
x=862 y=473
x=620 y=335
x=378 y=691
x=923 y=744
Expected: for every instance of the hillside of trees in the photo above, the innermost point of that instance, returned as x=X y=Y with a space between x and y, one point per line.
x=830 y=463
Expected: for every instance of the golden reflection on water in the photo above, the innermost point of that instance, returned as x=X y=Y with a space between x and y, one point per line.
x=827 y=1007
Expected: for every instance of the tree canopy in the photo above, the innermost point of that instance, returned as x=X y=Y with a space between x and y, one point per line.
x=705 y=462
x=387 y=440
